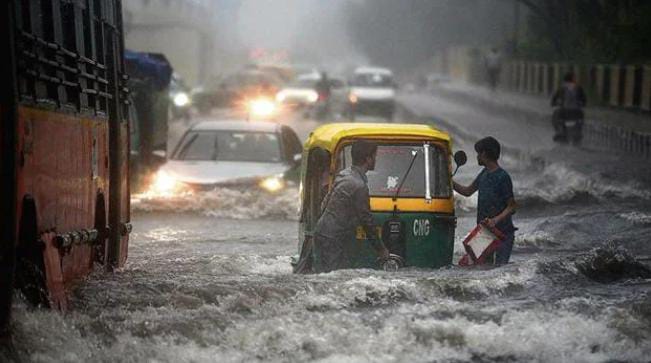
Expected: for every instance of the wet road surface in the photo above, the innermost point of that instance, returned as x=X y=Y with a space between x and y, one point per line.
x=199 y=287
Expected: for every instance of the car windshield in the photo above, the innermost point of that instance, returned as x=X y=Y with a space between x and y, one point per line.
x=391 y=165
x=229 y=146
x=372 y=80
x=303 y=83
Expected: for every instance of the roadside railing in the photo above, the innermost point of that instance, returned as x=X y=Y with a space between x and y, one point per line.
x=620 y=86
x=625 y=88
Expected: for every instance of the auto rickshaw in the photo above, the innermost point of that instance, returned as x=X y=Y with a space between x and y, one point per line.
x=412 y=200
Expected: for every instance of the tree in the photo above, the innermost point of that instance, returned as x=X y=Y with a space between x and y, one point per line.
x=588 y=30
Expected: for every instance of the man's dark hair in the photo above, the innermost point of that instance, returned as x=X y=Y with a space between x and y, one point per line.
x=361 y=150
x=490 y=146
x=569 y=77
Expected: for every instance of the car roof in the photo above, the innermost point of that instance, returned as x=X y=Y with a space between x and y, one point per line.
x=236 y=125
x=329 y=135
x=373 y=70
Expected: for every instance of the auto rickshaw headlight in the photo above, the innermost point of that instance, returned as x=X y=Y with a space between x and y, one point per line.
x=273 y=183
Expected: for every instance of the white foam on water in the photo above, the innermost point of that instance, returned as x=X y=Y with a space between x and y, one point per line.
x=536 y=238
x=558 y=183
x=636 y=217
x=250 y=265
x=224 y=203
x=340 y=317
x=465 y=204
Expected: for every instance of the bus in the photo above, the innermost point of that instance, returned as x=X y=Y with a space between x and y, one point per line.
x=64 y=144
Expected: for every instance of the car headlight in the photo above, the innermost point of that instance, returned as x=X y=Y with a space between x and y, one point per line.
x=352 y=98
x=313 y=97
x=164 y=183
x=272 y=183
x=281 y=96
x=262 y=108
x=181 y=99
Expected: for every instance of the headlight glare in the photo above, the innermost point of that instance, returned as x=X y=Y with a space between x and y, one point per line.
x=272 y=184
x=262 y=107
x=313 y=97
x=164 y=182
x=181 y=99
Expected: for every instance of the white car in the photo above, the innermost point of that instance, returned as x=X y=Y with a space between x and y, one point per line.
x=372 y=91
x=300 y=92
x=232 y=153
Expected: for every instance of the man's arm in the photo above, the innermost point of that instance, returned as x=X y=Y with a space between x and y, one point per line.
x=511 y=206
x=362 y=202
x=466 y=191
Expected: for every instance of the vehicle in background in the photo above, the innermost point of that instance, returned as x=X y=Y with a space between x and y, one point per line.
x=63 y=148
x=372 y=92
x=150 y=78
x=434 y=80
x=231 y=153
x=180 y=97
x=300 y=92
x=282 y=72
x=235 y=89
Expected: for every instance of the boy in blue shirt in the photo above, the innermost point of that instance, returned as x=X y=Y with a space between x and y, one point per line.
x=496 y=203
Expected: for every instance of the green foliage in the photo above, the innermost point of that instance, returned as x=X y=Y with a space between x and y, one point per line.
x=588 y=31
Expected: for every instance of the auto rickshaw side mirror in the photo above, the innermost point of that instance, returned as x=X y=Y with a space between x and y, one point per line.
x=460 y=158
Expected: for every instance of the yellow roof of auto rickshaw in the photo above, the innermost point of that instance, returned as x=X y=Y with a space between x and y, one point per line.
x=329 y=135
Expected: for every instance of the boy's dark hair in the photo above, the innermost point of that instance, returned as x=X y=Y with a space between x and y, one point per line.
x=490 y=146
x=361 y=150
x=568 y=77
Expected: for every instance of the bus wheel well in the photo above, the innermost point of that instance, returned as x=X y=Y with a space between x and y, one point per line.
x=30 y=268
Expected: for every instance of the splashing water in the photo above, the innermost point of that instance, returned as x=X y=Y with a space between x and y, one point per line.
x=224 y=202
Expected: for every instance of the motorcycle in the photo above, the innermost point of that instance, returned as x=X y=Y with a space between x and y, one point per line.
x=321 y=108
x=568 y=125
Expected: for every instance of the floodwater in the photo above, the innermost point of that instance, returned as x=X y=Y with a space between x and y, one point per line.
x=199 y=287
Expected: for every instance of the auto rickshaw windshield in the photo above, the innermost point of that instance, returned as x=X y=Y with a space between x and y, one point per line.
x=391 y=164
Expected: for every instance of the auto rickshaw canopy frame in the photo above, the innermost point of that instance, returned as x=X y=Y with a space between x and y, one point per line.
x=329 y=136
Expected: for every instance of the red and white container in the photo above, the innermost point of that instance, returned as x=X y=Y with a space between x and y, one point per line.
x=480 y=243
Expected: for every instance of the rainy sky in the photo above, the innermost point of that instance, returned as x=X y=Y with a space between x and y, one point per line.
x=393 y=33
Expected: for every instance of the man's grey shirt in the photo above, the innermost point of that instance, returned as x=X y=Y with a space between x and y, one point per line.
x=345 y=207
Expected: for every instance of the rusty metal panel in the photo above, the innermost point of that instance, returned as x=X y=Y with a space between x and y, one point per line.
x=67 y=132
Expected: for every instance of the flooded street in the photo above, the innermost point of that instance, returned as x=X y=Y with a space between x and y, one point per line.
x=166 y=166
x=202 y=287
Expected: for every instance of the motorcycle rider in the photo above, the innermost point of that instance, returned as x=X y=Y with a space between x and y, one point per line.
x=323 y=88
x=570 y=99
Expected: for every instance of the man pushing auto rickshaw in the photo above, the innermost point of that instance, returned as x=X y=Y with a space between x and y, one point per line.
x=346 y=206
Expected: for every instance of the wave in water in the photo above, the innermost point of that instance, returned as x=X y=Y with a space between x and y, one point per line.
x=556 y=183
x=225 y=203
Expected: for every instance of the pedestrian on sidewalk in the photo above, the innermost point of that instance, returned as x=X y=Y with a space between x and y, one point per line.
x=496 y=203
x=493 y=64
